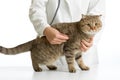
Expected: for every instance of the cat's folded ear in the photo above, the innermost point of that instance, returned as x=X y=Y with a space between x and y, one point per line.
x=100 y=15
x=83 y=16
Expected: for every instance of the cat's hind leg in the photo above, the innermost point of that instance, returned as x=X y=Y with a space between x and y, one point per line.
x=36 y=66
x=80 y=62
x=51 y=67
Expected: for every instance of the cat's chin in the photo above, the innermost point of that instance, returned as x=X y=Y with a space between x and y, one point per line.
x=90 y=33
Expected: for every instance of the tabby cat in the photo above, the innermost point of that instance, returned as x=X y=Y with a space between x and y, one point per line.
x=44 y=53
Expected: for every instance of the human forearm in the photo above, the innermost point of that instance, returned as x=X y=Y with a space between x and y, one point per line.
x=37 y=14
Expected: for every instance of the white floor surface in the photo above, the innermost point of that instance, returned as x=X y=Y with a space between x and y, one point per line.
x=97 y=72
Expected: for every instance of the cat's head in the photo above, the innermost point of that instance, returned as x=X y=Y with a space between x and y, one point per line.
x=90 y=24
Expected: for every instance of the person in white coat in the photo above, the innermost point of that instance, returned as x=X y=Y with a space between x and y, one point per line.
x=42 y=13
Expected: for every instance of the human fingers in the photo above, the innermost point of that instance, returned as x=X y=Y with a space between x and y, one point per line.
x=62 y=36
x=59 y=40
x=83 y=47
x=87 y=43
x=56 y=42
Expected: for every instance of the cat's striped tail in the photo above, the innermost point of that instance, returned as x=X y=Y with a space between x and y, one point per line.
x=16 y=50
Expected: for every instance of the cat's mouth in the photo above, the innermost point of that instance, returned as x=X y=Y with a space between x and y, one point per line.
x=91 y=32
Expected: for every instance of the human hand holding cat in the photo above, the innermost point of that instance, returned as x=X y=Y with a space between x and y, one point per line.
x=54 y=36
x=86 y=44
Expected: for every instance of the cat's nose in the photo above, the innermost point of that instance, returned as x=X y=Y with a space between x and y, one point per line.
x=93 y=28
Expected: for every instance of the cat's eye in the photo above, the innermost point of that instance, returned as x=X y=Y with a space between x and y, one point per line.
x=88 y=24
x=96 y=24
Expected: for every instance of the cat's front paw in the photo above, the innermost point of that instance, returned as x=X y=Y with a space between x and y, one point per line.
x=85 y=68
x=72 y=70
x=37 y=69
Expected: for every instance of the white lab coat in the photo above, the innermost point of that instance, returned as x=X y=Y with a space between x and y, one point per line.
x=42 y=11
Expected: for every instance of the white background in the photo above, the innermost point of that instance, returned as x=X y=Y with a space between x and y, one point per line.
x=16 y=28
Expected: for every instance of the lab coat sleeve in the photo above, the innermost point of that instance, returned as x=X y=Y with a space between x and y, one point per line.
x=97 y=7
x=37 y=15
